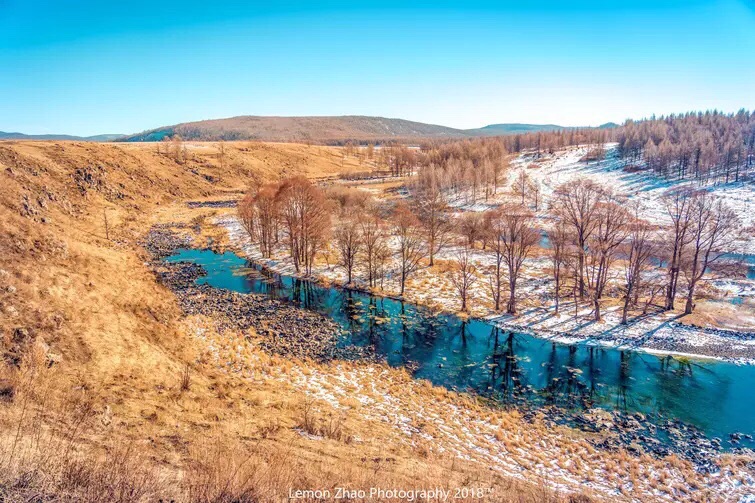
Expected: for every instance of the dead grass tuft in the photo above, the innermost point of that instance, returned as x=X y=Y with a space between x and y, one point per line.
x=329 y=426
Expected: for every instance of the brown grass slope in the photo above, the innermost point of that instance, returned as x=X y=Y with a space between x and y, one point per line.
x=315 y=129
x=102 y=396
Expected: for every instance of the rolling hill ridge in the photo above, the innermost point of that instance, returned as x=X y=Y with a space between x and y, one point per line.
x=327 y=129
x=56 y=137
x=318 y=129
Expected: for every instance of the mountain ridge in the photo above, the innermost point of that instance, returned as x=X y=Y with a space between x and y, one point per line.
x=327 y=129
x=6 y=135
x=324 y=129
x=300 y=128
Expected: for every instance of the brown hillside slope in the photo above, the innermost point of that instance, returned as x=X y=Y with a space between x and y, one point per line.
x=313 y=129
x=105 y=394
x=56 y=196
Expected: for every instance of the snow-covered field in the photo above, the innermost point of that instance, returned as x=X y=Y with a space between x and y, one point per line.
x=565 y=165
x=419 y=416
x=731 y=303
x=432 y=287
x=424 y=418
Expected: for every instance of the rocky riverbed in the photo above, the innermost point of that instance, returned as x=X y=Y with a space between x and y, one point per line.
x=642 y=434
x=277 y=327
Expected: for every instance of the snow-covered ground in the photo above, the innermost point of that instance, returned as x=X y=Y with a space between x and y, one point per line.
x=421 y=417
x=432 y=287
x=565 y=165
x=731 y=300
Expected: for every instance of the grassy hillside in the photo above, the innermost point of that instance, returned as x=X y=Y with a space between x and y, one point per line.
x=329 y=130
x=109 y=393
x=314 y=129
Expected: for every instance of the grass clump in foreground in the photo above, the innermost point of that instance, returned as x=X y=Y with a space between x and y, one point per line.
x=59 y=443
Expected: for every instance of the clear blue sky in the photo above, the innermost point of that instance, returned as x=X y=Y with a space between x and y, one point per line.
x=86 y=67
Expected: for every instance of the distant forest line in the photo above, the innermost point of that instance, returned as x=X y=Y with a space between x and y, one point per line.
x=710 y=147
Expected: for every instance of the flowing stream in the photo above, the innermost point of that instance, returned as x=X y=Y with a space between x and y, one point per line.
x=716 y=397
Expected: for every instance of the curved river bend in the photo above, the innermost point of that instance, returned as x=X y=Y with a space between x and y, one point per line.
x=716 y=397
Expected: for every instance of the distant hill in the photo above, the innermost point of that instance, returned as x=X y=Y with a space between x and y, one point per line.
x=104 y=137
x=335 y=129
x=22 y=136
x=325 y=129
x=512 y=128
x=517 y=128
x=318 y=129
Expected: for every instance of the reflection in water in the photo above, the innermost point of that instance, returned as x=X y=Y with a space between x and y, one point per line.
x=512 y=368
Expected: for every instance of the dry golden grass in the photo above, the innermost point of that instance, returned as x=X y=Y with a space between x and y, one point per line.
x=104 y=393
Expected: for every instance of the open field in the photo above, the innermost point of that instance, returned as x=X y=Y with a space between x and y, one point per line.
x=656 y=331
x=109 y=391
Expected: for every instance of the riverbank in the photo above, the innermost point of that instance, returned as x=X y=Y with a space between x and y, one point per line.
x=277 y=327
x=616 y=451
x=651 y=433
x=656 y=332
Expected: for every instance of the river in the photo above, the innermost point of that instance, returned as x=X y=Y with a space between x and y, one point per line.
x=715 y=396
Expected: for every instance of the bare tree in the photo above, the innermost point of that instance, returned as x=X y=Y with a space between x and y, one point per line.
x=463 y=275
x=516 y=235
x=493 y=226
x=373 y=241
x=640 y=249
x=266 y=203
x=431 y=209
x=411 y=246
x=713 y=227
x=608 y=235
x=306 y=220
x=258 y=213
x=247 y=211
x=521 y=184
x=499 y=167
x=471 y=227
x=381 y=262
x=348 y=239
x=576 y=203
x=559 y=240
x=535 y=194
x=678 y=204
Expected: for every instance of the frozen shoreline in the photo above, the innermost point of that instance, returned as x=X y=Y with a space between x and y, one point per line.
x=571 y=339
x=669 y=333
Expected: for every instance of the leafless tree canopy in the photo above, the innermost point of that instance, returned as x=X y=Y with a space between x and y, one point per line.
x=411 y=245
x=514 y=236
x=640 y=248
x=348 y=239
x=463 y=275
x=598 y=243
x=609 y=233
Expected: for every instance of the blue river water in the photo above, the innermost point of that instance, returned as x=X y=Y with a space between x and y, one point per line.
x=716 y=397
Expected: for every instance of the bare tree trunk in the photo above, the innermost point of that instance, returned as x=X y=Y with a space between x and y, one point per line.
x=689 y=305
x=511 y=306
